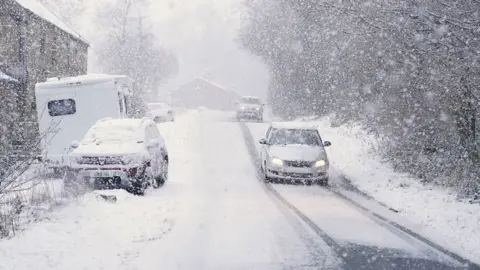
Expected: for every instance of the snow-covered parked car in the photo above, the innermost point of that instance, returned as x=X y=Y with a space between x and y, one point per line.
x=294 y=152
x=249 y=107
x=160 y=112
x=121 y=153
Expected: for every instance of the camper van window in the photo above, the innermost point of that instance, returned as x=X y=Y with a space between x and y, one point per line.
x=62 y=107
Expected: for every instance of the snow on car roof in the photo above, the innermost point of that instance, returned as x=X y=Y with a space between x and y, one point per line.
x=293 y=125
x=40 y=10
x=123 y=129
x=132 y=123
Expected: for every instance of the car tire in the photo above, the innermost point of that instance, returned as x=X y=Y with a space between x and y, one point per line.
x=141 y=184
x=163 y=176
x=266 y=179
x=323 y=182
x=138 y=188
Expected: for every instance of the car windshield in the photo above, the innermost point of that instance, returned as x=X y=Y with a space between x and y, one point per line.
x=255 y=101
x=294 y=136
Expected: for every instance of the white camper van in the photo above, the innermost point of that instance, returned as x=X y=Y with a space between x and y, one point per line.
x=68 y=107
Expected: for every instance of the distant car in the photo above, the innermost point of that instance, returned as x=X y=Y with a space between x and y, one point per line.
x=160 y=112
x=294 y=152
x=250 y=108
x=121 y=153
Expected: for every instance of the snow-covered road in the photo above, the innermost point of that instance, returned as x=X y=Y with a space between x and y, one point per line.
x=213 y=213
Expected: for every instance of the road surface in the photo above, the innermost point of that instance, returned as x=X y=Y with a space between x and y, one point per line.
x=215 y=213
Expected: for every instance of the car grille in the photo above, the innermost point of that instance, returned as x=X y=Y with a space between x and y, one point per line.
x=107 y=182
x=298 y=163
x=100 y=160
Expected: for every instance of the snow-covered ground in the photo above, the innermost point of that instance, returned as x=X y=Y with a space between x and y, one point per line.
x=213 y=213
x=433 y=212
x=27 y=199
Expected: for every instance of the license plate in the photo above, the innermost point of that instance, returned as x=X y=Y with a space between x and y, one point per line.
x=102 y=174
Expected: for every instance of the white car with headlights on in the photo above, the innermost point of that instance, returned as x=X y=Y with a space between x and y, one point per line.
x=120 y=153
x=250 y=108
x=294 y=152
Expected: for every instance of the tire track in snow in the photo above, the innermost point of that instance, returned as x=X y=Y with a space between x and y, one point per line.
x=341 y=251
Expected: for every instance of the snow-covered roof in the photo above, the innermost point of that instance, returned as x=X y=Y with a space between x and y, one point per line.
x=53 y=83
x=252 y=97
x=214 y=84
x=40 y=10
x=5 y=77
x=293 y=125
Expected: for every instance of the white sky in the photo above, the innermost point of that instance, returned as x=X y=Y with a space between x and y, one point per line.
x=202 y=33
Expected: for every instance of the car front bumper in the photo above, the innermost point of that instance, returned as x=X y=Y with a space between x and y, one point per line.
x=293 y=173
x=249 y=113
x=107 y=179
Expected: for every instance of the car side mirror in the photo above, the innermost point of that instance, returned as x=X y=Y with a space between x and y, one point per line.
x=74 y=144
x=327 y=143
x=263 y=141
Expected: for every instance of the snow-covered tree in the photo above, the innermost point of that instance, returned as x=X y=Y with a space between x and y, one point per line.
x=407 y=69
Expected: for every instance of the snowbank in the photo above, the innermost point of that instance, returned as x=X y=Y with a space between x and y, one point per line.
x=28 y=200
x=90 y=233
x=455 y=223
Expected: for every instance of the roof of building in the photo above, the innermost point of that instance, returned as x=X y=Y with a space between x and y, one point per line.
x=252 y=97
x=5 y=77
x=293 y=125
x=205 y=80
x=43 y=12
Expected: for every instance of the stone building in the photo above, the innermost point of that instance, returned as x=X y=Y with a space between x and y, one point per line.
x=34 y=45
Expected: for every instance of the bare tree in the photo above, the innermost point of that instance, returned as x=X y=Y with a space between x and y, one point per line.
x=131 y=48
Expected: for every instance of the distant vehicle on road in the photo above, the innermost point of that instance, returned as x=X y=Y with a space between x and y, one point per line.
x=68 y=107
x=160 y=112
x=294 y=152
x=120 y=153
x=249 y=107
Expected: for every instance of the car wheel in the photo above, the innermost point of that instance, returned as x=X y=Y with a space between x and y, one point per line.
x=265 y=177
x=323 y=182
x=163 y=177
x=148 y=178
x=138 y=188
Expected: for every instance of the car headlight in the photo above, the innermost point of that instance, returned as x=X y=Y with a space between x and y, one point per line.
x=276 y=161
x=321 y=163
x=258 y=109
x=127 y=160
x=242 y=108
